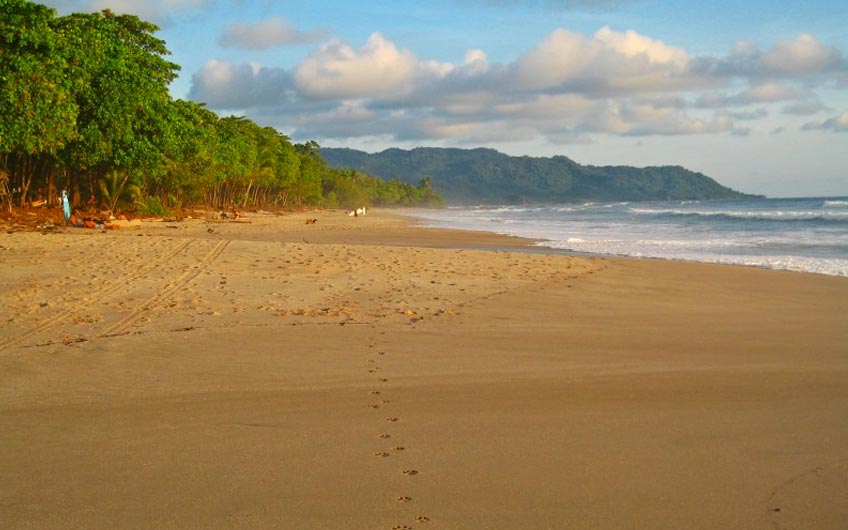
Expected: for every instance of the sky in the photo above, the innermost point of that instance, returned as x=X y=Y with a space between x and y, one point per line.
x=751 y=93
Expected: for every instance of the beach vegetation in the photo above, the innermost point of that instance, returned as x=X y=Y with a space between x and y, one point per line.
x=117 y=187
x=152 y=206
x=85 y=107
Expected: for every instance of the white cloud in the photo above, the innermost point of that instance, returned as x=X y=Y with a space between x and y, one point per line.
x=567 y=87
x=838 y=123
x=609 y=61
x=477 y=132
x=337 y=71
x=560 y=56
x=804 y=55
x=476 y=62
x=342 y=120
x=744 y=115
x=266 y=34
x=801 y=58
x=245 y=86
x=547 y=107
x=767 y=92
x=643 y=120
x=633 y=44
x=760 y=93
x=805 y=108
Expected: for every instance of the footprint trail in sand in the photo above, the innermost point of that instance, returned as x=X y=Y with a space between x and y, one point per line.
x=394 y=435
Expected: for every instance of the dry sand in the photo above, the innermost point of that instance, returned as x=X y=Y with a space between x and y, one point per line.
x=370 y=374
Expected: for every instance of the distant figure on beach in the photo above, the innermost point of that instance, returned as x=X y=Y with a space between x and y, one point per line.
x=66 y=207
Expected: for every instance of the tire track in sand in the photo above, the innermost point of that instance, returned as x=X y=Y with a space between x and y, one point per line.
x=120 y=327
x=92 y=297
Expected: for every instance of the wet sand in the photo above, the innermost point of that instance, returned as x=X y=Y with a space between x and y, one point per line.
x=368 y=373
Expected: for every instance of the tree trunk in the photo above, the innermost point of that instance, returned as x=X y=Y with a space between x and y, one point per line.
x=25 y=174
x=246 y=194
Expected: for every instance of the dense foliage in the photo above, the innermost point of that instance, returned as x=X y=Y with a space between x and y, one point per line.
x=473 y=176
x=85 y=107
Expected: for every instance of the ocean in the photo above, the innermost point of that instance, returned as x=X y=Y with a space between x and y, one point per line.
x=806 y=234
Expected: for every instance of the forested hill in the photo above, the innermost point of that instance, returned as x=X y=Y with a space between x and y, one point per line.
x=474 y=176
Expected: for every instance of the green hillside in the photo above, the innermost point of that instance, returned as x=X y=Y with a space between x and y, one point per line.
x=474 y=176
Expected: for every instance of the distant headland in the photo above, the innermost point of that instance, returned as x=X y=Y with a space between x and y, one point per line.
x=473 y=176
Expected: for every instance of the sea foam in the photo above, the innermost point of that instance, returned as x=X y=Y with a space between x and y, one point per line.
x=807 y=235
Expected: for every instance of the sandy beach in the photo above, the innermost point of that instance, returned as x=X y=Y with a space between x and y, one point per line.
x=368 y=373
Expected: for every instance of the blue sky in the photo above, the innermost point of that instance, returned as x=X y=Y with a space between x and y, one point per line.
x=754 y=94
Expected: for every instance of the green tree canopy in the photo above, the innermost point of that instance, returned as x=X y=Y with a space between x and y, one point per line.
x=85 y=106
x=121 y=87
x=37 y=109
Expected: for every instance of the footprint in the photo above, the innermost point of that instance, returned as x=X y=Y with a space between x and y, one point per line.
x=383 y=380
x=410 y=472
x=375 y=392
x=374 y=406
x=384 y=436
x=401 y=527
x=398 y=448
x=382 y=454
x=422 y=519
x=404 y=499
x=392 y=419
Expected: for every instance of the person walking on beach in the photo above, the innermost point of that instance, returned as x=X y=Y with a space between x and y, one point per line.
x=66 y=207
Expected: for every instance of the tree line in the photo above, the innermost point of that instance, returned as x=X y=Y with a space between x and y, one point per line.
x=85 y=107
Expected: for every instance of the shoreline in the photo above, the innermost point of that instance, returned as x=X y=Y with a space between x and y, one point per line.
x=370 y=373
x=753 y=251
x=537 y=246
x=424 y=236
